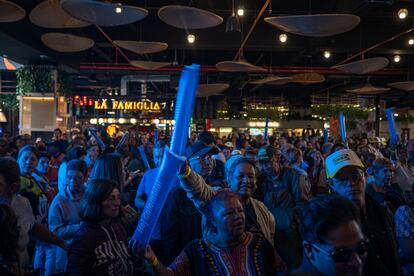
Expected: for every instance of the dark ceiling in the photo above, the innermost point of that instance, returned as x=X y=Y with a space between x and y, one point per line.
x=102 y=65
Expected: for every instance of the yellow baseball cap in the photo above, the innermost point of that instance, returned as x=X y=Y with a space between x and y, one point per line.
x=341 y=159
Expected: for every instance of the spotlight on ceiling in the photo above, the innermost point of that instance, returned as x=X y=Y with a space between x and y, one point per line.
x=118 y=8
x=327 y=54
x=233 y=23
x=411 y=41
x=240 y=11
x=283 y=38
x=402 y=13
x=397 y=58
x=191 y=38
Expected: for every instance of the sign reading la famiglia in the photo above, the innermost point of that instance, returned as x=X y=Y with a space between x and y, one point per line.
x=133 y=105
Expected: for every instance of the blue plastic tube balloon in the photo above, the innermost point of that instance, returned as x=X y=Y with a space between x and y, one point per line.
x=155 y=136
x=391 y=124
x=122 y=142
x=266 y=135
x=325 y=136
x=167 y=175
x=98 y=140
x=342 y=127
x=144 y=157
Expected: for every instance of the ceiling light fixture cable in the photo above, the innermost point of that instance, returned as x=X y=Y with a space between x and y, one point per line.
x=113 y=44
x=377 y=45
x=256 y=20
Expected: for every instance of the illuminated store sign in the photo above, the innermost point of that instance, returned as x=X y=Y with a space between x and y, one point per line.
x=117 y=104
x=127 y=105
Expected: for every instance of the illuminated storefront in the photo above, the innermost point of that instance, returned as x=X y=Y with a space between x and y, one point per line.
x=119 y=113
x=42 y=113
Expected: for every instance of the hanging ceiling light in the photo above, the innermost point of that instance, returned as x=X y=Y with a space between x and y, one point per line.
x=240 y=11
x=283 y=38
x=3 y=118
x=233 y=23
x=118 y=8
x=397 y=58
x=191 y=38
x=411 y=41
x=402 y=13
x=327 y=54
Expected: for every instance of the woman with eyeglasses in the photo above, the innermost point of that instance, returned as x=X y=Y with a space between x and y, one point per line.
x=333 y=241
x=241 y=175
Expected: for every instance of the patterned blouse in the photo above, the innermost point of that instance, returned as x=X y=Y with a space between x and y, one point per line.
x=253 y=256
x=404 y=229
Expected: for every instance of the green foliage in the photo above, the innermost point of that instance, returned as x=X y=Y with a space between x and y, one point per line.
x=405 y=118
x=333 y=110
x=259 y=114
x=34 y=78
x=9 y=101
x=64 y=84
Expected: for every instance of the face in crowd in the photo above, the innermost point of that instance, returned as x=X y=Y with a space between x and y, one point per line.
x=316 y=158
x=272 y=165
x=228 y=218
x=27 y=163
x=75 y=181
x=227 y=152
x=111 y=205
x=383 y=173
x=203 y=165
x=92 y=154
x=4 y=147
x=43 y=165
x=158 y=154
x=343 y=252
x=350 y=182
x=148 y=148
x=57 y=134
x=243 y=180
x=402 y=155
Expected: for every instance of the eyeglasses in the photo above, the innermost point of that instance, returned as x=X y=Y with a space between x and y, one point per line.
x=202 y=159
x=343 y=254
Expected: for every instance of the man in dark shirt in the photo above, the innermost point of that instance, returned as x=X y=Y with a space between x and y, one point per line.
x=181 y=223
x=347 y=178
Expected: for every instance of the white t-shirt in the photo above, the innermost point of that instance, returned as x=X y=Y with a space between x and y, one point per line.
x=25 y=220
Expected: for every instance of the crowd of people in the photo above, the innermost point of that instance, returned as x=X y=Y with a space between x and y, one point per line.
x=288 y=205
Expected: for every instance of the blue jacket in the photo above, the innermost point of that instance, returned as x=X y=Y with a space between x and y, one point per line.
x=64 y=221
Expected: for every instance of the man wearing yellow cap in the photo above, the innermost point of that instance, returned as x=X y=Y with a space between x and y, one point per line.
x=347 y=178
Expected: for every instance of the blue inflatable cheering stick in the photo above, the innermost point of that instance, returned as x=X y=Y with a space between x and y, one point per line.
x=122 y=142
x=97 y=138
x=325 y=136
x=266 y=135
x=342 y=127
x=144 y=157
x=167 y=175
x=155 y=136
x=391 y=124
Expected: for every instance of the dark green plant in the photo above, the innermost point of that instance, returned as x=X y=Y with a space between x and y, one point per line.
x=405 y=118
x=64 y=83
x=260 y=114
x=333 y=110
x=9 y=101
x=34 y=78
